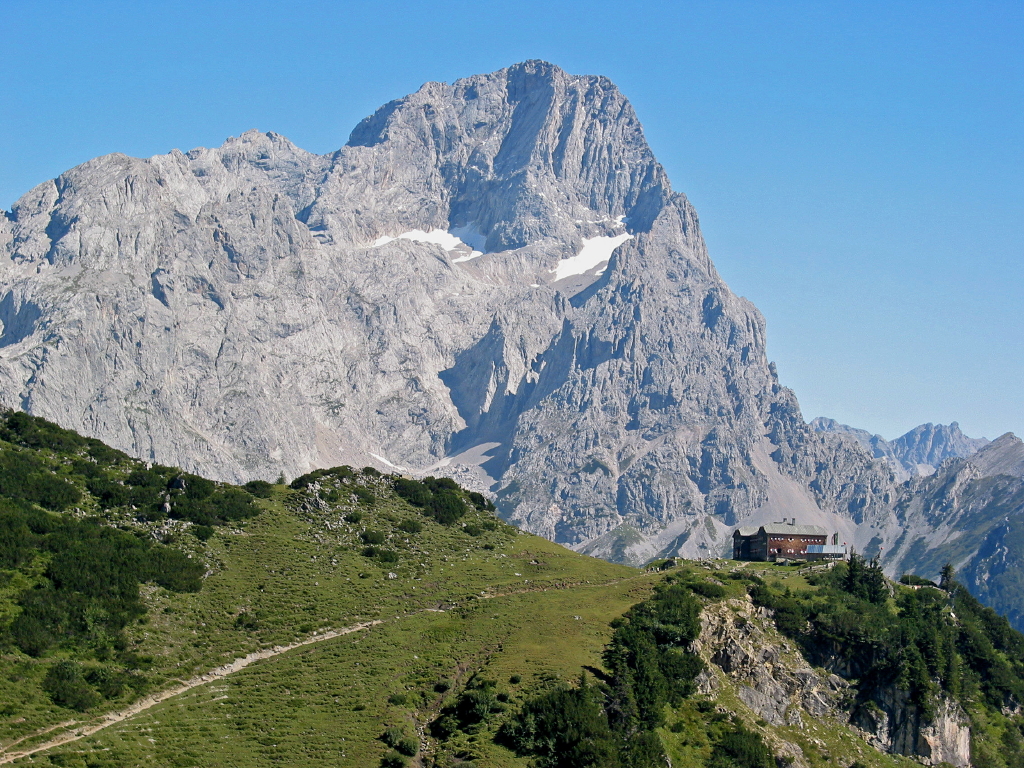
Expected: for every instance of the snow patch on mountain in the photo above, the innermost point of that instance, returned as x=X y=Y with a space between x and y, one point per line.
x=450 y=241
x=595 y=251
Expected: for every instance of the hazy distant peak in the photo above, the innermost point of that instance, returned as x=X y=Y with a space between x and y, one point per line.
x=931 y=444
x=919 y=452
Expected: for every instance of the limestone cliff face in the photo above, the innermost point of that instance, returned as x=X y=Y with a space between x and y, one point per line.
x=777 y=684
x=493 y=279
x=893 y=723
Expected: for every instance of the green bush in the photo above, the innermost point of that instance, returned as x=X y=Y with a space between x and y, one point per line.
x=259 y=488
x=33 y=432
x=438 y=484
x=708 y=589
x=474 y=707
x=408 y=746
x=564 y=728
x=353 y=517
x=396 y=737
x=247 y=620
x=738 y=747
x=372 y=537
x=410 y=526
x=67 y=687
x=109 y=683
x=92 y=582
x=26 y=477
x=196 y=488
x=364 y=495
x=917 y=581
x=481 y=502
x=414 y=492
x=233 y=504
x=446 y=507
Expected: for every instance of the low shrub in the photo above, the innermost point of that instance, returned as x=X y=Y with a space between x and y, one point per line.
x=364 y=495
x=372 y=537
x=410 y=526
x=708 y=589
x=259 y=488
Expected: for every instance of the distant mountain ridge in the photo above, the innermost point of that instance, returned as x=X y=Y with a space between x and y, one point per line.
x=919 y=452
x=928 y=445
x=969 y=513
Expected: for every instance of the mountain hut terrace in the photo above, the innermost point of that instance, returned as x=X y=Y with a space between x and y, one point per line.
x=786 y=541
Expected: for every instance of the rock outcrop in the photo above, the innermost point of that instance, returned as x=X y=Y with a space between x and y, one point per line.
x=893 y=723
x=778 y=685
x=771 y=676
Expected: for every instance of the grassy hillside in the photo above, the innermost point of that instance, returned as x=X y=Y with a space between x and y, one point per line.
x=337 y=549
x=152 y=618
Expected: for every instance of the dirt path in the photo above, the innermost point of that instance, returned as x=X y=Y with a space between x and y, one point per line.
x=112 y=718
x=151 y=701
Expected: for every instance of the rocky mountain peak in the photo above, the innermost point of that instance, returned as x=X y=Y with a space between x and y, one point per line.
x=492 y=279
x=919 y=452
x=928 y=445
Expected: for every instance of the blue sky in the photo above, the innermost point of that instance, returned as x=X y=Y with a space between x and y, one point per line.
x=857 y=166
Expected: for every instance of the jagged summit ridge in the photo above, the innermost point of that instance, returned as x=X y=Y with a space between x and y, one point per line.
x=492 y=279
x=919 y=452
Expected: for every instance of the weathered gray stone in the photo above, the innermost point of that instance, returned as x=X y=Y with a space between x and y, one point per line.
x=252 y=310
x=777 y=684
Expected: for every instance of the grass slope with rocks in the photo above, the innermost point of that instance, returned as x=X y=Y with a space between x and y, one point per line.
x=358 y=619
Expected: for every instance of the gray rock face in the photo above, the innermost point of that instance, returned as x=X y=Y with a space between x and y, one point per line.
x=493 y=279
x=773 y=679
x=777 y=684
x=876 y=445
x=894 y=724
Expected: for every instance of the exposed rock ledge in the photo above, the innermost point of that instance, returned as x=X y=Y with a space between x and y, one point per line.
x=774 y=680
